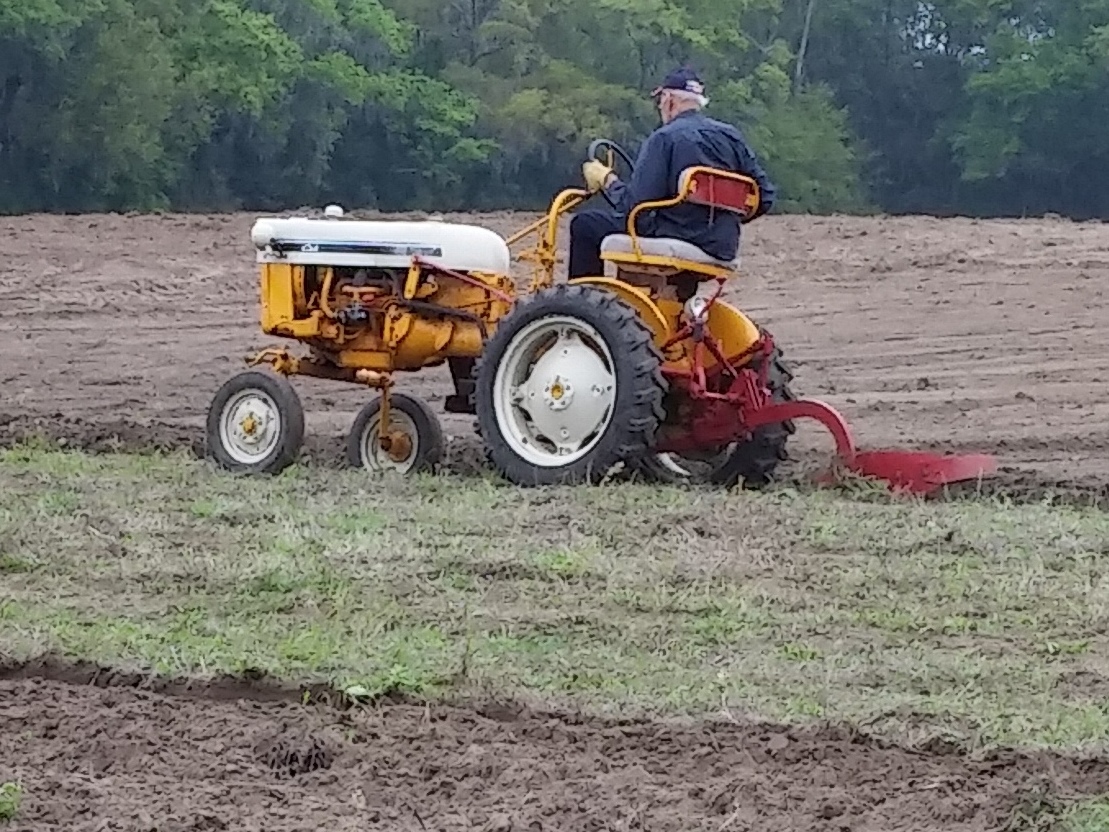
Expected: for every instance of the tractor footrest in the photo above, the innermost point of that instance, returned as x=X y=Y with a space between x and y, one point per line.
x=459 y=404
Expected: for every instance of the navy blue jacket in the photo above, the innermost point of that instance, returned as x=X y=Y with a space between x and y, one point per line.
x=691 y=138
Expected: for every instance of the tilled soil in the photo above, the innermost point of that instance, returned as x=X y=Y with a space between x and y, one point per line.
x=930 y=333
x=127 y=758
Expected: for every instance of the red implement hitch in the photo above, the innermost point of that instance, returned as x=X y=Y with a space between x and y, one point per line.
x=745 y=404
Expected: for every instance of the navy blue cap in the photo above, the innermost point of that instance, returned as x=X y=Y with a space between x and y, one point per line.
x=685 y=79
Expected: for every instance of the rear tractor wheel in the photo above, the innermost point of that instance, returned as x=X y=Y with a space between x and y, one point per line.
x=255 y=423
x=752 y=462
x=568 y=386
x=415 y=437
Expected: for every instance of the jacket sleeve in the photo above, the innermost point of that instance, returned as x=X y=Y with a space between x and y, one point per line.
x=651 y=179
x=768 y=191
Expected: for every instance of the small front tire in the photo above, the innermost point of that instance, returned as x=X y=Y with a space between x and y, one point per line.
x=419 y=437
x=255 y=423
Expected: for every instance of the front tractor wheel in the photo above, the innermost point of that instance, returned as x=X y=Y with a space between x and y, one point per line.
x=255 y=423
x=414 y=437
x=569 y=385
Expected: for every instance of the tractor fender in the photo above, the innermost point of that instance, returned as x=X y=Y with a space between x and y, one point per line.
x=638 y=300
x=735 y=332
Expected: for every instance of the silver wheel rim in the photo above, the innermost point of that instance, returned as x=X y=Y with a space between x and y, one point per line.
x=675 y=463
x=554 y=391
x=374 y=457
x=250 y=426
x=670 y=463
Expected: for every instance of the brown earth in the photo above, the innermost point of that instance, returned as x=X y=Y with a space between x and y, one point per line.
x=122 y=754
x=932 y=333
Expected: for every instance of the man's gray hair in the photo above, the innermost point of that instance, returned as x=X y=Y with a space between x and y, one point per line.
x=687 y=97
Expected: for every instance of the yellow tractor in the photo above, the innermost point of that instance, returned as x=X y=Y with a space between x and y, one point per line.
x=646 y=366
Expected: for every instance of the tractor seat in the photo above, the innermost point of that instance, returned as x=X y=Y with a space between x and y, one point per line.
x=662 y=247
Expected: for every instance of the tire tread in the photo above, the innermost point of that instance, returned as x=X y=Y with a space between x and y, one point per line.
x=639 y=401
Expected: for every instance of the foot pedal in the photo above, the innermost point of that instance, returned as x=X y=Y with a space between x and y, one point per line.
x=459 y=404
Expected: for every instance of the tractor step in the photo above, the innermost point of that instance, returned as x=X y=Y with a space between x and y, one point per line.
x=457 y=403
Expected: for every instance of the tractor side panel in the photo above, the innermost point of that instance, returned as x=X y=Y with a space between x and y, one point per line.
x=276 y=286
x=282 y=296
x=409 y=340
x=428 y=341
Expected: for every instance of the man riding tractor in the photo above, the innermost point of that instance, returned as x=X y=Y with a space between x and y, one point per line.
x=686 y=139
x=673 y=228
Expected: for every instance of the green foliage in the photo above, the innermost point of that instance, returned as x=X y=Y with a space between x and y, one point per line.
x=1036 y=108
x=96 y=125
x=809 y=151
x=370 y=18
x=236 y=59
x=976 y=106
x=45 y=22
x=11 y=797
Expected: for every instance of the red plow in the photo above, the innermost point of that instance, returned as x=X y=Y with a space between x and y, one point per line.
x=731 y=401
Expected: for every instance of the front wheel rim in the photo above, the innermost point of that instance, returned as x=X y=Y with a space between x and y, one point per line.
x=250 y=427
x=554 y=392
x=377 y=459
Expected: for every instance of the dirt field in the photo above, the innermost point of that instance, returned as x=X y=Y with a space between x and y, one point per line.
x=233 y=758
x=927 y=333
x=961 y=334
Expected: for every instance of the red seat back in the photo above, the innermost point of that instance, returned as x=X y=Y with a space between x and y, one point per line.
x=720 y=189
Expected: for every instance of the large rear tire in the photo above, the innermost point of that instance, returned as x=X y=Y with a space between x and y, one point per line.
x=568 y=386
x=753 y=462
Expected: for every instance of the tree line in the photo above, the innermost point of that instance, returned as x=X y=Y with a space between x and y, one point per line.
x=980 y=107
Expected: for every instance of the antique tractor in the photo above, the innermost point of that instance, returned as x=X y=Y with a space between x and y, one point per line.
x=648 y=366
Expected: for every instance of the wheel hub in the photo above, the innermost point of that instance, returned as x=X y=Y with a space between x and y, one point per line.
x=558 y=394
x=397 y=444
x=250 y=426
x=567 y=420
x=390 y=448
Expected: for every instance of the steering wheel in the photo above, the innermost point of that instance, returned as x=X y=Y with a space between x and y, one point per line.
x=613 y=150
x=597 y=144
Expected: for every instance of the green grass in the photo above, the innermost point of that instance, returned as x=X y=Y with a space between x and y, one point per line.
x=980 y=621
x=1086 y=817
x=11 y=797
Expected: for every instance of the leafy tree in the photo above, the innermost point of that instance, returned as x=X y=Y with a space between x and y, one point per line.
x=942 y=106
x=803 y=139
x=1038 y=101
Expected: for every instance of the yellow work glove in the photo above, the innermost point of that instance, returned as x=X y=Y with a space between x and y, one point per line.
x=596 y=174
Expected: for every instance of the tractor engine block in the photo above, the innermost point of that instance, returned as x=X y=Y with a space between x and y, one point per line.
x=354 y=290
